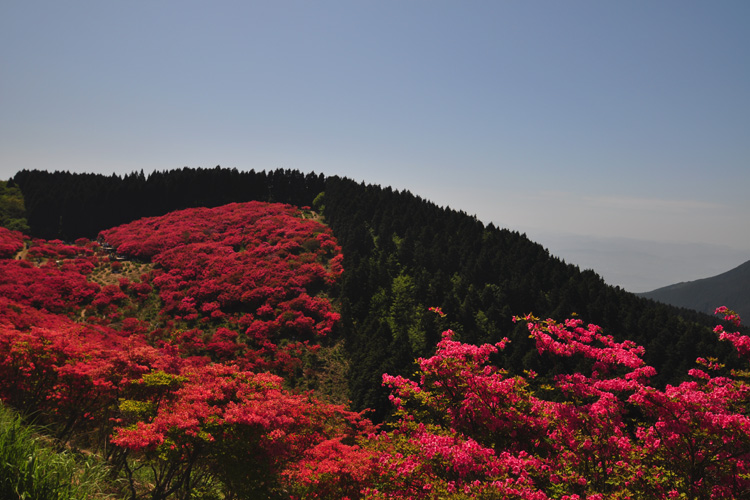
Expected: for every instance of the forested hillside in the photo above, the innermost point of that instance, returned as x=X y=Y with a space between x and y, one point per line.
x=67 y=206
x=402 y=254
x=209 y=353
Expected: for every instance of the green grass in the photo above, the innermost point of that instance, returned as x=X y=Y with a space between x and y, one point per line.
x=31 y=469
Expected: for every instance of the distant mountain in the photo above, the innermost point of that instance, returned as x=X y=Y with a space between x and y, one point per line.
x=731 y=289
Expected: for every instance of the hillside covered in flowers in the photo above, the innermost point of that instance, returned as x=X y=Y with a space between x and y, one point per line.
x=172 y=343
x=201 y=354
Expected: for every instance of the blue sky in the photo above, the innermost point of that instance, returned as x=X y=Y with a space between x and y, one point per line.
x=617 y=134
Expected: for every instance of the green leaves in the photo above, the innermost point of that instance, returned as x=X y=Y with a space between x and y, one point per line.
x=34 y=471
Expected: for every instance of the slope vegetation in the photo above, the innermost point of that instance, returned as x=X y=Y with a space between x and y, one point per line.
x=181 y=373
x=401 y=255
x=192 y=376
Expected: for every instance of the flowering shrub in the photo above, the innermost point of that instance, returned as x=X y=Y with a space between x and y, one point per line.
x=253 y=267
x=80 y=345
x=11 y=242
x=245 y=425
x=46 y=286
x=468 y=429
x=70 y=371
x=55 y=249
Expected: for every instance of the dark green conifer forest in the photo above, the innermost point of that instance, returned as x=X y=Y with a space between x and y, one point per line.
x=402 y=255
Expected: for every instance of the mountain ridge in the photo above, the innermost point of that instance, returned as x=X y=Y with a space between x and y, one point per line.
x=731 y=288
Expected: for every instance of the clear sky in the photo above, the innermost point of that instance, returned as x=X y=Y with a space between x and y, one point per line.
x=617 y=134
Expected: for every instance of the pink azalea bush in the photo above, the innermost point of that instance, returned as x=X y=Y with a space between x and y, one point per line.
x=468 y=429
